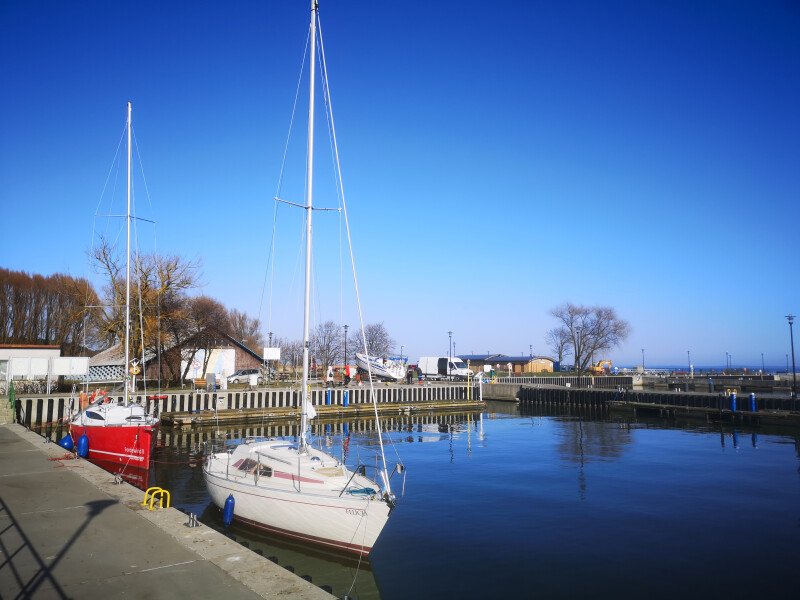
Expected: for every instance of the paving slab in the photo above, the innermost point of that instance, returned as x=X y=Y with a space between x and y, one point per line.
x=67 y=530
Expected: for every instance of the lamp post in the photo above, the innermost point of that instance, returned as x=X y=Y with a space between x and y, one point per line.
x=642 y=360
x=269 y=362
x=401 y=353
x=689 y=358
x=762 y=365
x=790 y=318
x=345 y=345
x=450 y=352
x=726 y=360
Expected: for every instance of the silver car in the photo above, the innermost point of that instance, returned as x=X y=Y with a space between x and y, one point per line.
x=244 y=376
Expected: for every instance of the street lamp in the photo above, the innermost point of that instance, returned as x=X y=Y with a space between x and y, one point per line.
x=642 y=360
x=762 y=364
x=790 y=318
x=450 y=351
x=401 y=353
x=269 y=363
x=345 y=345
x=726 y=360
x=689 y=358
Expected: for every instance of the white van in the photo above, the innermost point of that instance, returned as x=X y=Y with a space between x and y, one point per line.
x=439 y=367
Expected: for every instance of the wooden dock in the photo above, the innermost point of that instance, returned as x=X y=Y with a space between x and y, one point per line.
x=262 y=415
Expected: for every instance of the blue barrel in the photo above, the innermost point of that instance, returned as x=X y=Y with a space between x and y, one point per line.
x=328 y=397
x=227 y=511
x=733 y=402
x=345 y=398
x=83 y=446
x=67 y=443
x=753 y=405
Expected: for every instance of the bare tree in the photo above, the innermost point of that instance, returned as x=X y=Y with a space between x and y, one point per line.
x=246 y=329
x=158 y=299
x=379 y=342
x=592 y=330
x=291 y=354
x=326 y=344
x=559 y=341
x=37 y=309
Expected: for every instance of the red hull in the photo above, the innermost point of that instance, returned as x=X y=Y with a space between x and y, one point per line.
x=127 y=445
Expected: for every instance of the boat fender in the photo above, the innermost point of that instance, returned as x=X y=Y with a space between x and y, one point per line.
x=67 y=443
x=227 y=512
x=83 y=446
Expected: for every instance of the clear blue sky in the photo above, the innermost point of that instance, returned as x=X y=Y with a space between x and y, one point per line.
x=499 y=158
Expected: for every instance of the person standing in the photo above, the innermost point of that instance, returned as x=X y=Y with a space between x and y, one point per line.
x=347 y=375
x=329 y=377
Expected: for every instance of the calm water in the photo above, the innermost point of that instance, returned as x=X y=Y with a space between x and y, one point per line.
x=512 y=505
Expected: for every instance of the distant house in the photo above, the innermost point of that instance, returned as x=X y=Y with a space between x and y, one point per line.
x=209 y=351
x=519 y=364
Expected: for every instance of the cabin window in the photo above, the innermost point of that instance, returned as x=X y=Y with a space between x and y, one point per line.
x=94 y=415
x=249 y=465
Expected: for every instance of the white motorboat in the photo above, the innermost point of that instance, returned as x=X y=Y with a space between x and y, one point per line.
x=381 y=367
x=295 y=489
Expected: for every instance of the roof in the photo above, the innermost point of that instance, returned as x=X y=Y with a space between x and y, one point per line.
x=115 y=354
x=503 y=358
x=31 y=346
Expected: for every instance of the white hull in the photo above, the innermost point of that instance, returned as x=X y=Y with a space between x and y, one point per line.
x=383 y=369
x=309 y=506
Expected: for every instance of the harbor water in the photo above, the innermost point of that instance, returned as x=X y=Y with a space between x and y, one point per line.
x=507 y=504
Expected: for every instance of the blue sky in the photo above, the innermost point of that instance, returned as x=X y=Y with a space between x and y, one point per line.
x=499 y=159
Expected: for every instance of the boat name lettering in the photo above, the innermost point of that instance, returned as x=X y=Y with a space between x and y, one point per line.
x=359 y=512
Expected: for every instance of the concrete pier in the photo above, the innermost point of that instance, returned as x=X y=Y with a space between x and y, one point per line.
x=68 y=531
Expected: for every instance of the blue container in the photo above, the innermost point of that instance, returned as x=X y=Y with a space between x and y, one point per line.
x=328 y=397
x=227 y=511
x=345 y=398
x=753 y=405
x=733 y=402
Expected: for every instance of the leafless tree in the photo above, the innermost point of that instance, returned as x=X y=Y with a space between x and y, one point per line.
x=37 y=309
x=559 y=341
x=326 y=344
x=159 y=308
x=291 y=354
x=592 y=330
x=246 y=329
x=379 y=342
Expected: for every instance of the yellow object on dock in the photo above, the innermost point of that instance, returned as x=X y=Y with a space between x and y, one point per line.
x=156 y=493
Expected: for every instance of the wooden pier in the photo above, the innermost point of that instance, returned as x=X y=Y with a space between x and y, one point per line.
x=710 y=407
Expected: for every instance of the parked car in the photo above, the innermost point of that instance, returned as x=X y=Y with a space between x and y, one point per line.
x=246 y=375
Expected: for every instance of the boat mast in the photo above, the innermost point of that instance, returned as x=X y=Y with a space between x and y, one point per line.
x=128 y=264
x=309 y=211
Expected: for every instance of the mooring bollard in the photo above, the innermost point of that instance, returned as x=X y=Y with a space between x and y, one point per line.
x=345 y=398
x=733 y=401
x=328 y=397
x=753 y=405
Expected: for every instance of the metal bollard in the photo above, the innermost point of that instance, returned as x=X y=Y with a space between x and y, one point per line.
x=753 y=405
x=328 y=397
x=733 y=402
x=345 y=398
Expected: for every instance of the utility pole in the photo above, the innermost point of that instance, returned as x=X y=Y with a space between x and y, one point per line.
x=345 y=345
x=790 y=318
x=449 y=352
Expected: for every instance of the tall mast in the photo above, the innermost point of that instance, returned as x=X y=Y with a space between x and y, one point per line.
x=128 y=263
x=309 y=211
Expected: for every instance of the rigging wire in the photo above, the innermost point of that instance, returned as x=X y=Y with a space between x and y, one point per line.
x=353 y=265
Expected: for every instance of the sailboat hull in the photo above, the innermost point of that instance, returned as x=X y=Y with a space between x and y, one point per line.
x=299 y=508
x=128 y=445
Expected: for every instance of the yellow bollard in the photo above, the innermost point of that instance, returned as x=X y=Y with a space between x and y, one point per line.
x=156 y=493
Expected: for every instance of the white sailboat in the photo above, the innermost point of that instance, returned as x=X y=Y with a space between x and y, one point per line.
x=381 y=367
x=297 y=490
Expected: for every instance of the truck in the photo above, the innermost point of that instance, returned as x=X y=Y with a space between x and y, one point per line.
x=440 y=367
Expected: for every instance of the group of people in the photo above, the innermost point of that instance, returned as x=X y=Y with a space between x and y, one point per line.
x=334 y=376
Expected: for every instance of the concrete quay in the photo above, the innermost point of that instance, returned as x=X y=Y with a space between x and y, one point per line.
x=68 y=531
